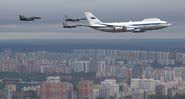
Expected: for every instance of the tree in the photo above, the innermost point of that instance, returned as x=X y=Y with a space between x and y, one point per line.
x=2 y=86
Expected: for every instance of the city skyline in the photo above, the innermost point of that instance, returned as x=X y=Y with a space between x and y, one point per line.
x=92 y=74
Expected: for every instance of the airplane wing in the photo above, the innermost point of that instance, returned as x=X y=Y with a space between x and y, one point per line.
x=127 y=28
x=72 y=25
x=38 y=17
x=70 y=19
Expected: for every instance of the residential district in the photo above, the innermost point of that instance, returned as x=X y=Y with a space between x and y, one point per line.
x=92 y=74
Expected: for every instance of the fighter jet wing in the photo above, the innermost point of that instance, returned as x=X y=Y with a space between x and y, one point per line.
x=67 y=18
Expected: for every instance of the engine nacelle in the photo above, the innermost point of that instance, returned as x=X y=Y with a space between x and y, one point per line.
x=66 y=25
x=138 y=31
x=118 y=28
x=135 y=30
x=130 y=29
x=122 y=29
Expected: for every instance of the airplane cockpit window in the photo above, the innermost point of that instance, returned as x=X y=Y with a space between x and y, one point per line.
x=93 y=18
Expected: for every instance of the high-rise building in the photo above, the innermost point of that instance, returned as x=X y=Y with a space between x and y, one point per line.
x=137 y=71
x=145 y=84
x=54 y=89
x=11 y=90
x=29 y=92
x=55 y=69
x=85 y=89
x=169 y=74
x=8 y=65
x=109 y=88
x=96 y=91
x=161 y=89
x=81 y=66
x=101 y=69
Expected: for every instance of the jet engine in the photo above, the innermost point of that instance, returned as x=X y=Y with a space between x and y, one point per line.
x=130 y=29
x=67 y=25
x=135 y=30
x=122 y=29
x=138 y=30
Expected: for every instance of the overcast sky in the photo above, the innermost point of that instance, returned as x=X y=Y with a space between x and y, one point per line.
x=53 y=11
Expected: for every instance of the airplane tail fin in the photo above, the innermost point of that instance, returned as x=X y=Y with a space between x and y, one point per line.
x=21 y=17
x=92 y=19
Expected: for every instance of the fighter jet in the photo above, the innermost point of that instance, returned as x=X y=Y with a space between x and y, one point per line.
x=67 y=18
x=23 y=18
x=70 y=25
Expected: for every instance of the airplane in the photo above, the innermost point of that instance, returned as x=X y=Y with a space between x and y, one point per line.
x=23 y=18
x=135 y=27
x=73 y=20
x=66 y=25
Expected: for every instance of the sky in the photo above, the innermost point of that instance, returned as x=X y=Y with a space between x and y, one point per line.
x=52 y=11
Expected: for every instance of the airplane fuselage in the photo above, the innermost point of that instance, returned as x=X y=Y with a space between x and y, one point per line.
x=138 y=26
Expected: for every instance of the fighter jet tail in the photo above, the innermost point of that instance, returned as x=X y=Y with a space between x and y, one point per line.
x=93 y=21
x=21 y=17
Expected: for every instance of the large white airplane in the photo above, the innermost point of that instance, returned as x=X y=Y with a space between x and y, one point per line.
x=137 y=26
